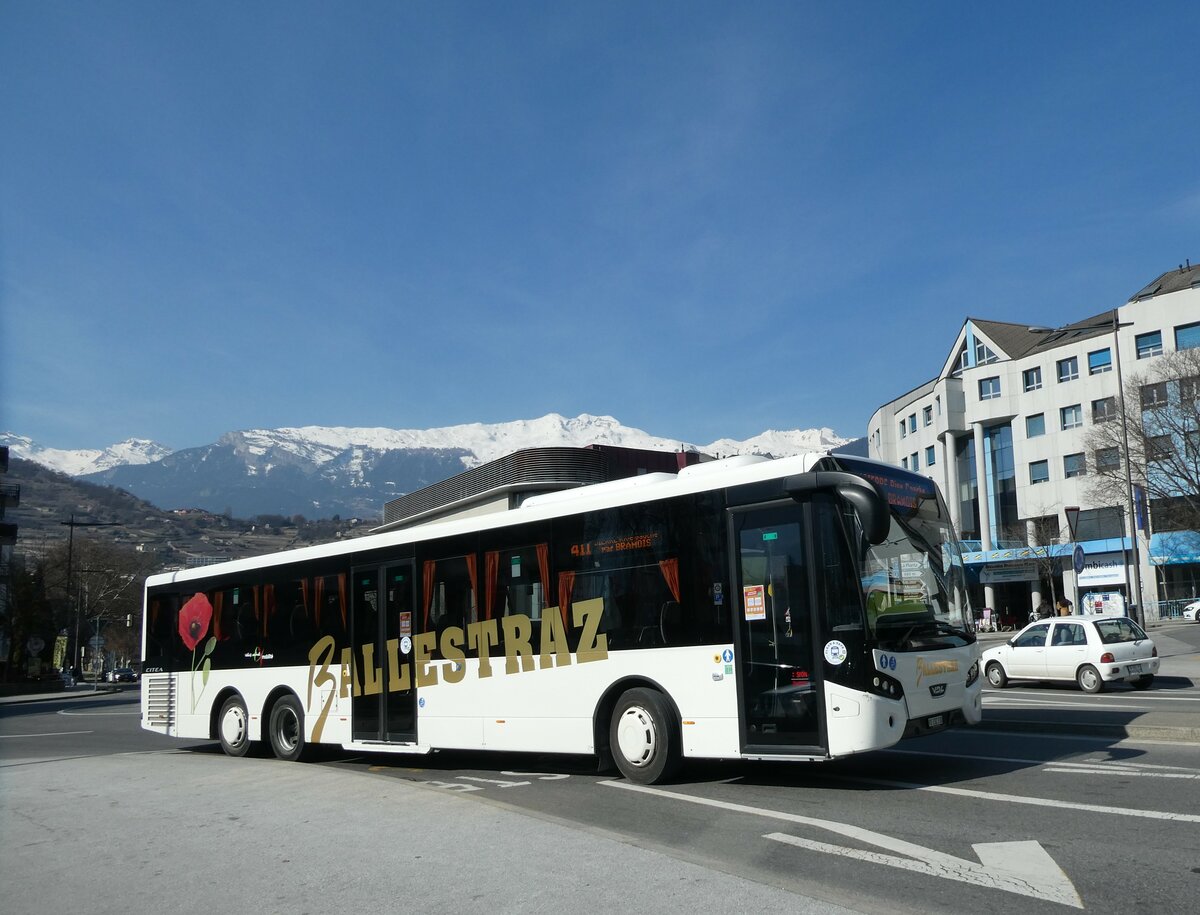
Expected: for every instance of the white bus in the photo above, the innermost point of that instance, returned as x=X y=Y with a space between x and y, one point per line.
x=805 y=608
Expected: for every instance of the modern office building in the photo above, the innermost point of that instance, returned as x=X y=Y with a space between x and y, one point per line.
x=1012 y=406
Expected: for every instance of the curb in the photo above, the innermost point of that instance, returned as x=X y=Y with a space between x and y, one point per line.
x=50 y=697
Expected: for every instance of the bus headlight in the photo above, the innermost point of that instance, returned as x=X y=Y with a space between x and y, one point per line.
x=888 y=687
x=973 y=673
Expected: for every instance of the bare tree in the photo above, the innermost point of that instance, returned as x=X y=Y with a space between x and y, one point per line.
x=1158 y=432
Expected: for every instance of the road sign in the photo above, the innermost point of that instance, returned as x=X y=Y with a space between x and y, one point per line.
x=1078 y=558
x=96 y=642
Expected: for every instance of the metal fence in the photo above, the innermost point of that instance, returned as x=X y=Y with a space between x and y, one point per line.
x=1166 y=609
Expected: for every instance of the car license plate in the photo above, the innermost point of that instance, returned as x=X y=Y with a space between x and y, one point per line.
x=1135 y=668
x=936 y=721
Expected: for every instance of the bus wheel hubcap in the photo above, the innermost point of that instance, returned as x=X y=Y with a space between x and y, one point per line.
x=636 y=738
x=233 y=727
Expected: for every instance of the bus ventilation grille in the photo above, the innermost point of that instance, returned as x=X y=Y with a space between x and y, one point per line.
x=160 y=701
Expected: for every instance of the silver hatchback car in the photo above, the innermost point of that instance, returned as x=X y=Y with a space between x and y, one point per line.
x=1091 y=650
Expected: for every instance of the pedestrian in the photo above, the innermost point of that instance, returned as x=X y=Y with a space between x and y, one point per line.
x=1064 y=606
x=1044 y=610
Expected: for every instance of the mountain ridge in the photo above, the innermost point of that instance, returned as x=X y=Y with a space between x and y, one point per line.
x=330 y=471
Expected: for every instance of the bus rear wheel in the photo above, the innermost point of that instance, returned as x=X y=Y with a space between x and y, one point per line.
x=644 y=737
x=233 y=727
x=287 y=730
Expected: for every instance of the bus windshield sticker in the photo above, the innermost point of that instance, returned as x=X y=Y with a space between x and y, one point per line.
x=835 y=652
x=754 y=600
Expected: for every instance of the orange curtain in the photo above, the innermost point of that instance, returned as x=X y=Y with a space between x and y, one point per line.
x=566 y=584
x=218 y=600
x=428 y=570
x=473 y=573
x=342 y=597
x=491 y=565
x=268 y=609
x=318 y=599
x=543 y=556
x=670 y=573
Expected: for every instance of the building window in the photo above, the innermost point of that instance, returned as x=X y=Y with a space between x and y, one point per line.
x=1104 y=409
x=1187 y=336
x=989 y=388
x=1032 y=378
x=1108 y=459
x=1159 y=448
x=1068 y=369
x=963 y=361
x=1149 y=344
x=1074 y=465
x=1035 y=425
x=1039 y=472
x=904 y=463
x=1072 y=417
x=903 y=428
x=930 y=456
x=912 y=422
x=1189 y=389
x=1154 y=395
x=927 y=416
x=1099 y=361
x=984 y=354
x=914 y=462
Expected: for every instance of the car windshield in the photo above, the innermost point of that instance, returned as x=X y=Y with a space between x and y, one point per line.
x=1114 y=631
x=914 y=582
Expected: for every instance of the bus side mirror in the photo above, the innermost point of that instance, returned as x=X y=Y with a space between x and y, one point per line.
x=871 y=507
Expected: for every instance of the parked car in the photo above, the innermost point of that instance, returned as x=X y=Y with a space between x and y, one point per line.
x=1191 y=612
x=1091 y=650
x=121 y=675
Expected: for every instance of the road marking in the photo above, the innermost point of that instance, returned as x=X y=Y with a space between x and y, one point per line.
x=492 y=781
x=96 y=714
x=1085 y=765
x=1024 y=868
x=51 y=734
x=1038 y=801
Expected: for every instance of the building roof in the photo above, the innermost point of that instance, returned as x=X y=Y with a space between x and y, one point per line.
x=1019 y=340
x=1186 y=277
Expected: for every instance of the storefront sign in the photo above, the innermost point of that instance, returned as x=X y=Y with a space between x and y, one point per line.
x=995 y=574
x=1102 y=569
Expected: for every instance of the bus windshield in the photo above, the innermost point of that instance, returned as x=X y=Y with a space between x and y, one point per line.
x=914 y=582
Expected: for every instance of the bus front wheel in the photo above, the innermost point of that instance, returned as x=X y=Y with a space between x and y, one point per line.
x=287 y=729
x=233 y=727
x=644 y=737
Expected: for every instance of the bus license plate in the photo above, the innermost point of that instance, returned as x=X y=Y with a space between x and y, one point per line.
x=936 y=721
x=1135 y=668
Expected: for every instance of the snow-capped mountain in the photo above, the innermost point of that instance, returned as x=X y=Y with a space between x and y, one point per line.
x=322 y=471
x=87 y=460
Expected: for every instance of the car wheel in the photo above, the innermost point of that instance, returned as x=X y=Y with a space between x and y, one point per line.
x=1089 y=679
x=233 y=727
x=644 y=737
x=286 y=728
x=1142 y=682
x=996 y=675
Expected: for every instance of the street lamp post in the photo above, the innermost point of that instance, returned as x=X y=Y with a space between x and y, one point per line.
x=1136 y=602
x=77 y=654
x=1116 y=325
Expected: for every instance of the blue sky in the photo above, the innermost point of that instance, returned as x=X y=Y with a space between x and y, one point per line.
x=706 y=220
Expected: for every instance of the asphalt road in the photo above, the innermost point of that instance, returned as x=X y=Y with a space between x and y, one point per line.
x=97 y=815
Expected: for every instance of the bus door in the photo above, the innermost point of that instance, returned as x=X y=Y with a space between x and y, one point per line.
x=381 y=630
x=779 y=673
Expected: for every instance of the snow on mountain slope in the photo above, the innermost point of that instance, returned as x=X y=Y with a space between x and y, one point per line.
x=352 y=448
x=88 y=460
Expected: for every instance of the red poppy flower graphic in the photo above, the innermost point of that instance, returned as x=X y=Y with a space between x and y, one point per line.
x=194 y=617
